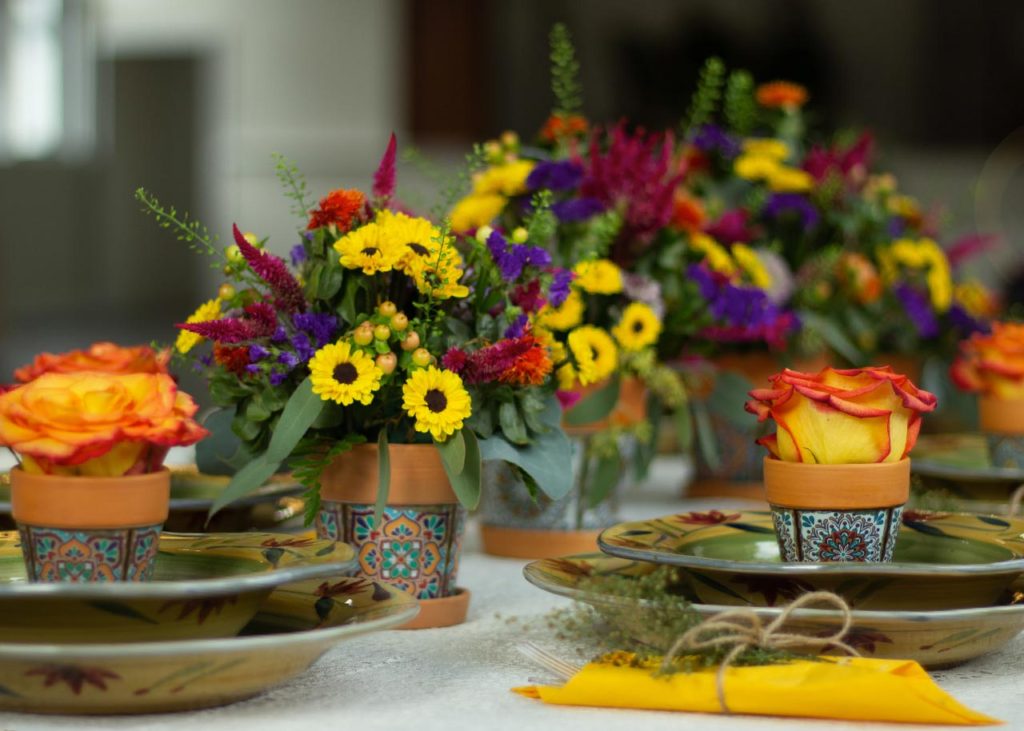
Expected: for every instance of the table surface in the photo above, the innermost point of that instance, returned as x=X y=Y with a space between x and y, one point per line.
x=459 y=677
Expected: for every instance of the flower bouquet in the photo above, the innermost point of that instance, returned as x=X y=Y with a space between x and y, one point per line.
x=838 y=471
x=90 y=494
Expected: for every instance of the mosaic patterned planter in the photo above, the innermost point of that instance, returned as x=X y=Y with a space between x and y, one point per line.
x=1002 y=421
x=829 y=513
x=416 y=547
x=84 y=529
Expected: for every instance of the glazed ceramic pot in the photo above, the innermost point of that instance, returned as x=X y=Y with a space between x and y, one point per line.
x=416 y=547
x=516 y=524
x=836 y=512
x=1002 y=421
x=82 y=529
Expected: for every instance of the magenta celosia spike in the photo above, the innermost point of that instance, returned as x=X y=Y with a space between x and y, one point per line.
x=384 y=178
x=263 y=318
x=274 y=272
x=226 y=330
x=487 y=364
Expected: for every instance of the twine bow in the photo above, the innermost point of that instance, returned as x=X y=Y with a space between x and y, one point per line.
x=743 y=629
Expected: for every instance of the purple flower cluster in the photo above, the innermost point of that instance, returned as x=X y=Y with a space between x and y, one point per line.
x=555 y=175
x=558 y=293
x=918 y=309
x=512 y=258
x=712 y=138
x=517 y=328
x=298 y=254
x=964 y=323
x=732 y=305
x=577 y=209
x=321 y=325
x=781 y=204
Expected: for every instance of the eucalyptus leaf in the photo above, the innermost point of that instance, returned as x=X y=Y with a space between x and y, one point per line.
x=300 y=412
x=246 y=480
x=466 y=483
x=832 y=335
x=607 y=472
x=512 y=425
x=383 y=477
x=706 y=440
x=219 y=453
x=453 y=452
x=728 y=397
x=595 y=406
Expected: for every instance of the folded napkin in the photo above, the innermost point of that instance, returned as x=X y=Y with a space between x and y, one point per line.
x=848 y=688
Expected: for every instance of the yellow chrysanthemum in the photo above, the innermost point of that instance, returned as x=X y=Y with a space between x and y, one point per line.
x=785 y=179
x=369 y=248
x=566 y=376
x=207 y=311
x=904 y=206
x=976 y=298
x=508 y=179
x=714 y=253
x=922 y=255
x=565 y=317
x=437 y=400
x=766 y=147
x=755 y=167
x=436 y=268
x=342 y=374
x=600 y=276
x=475 y=211
x=594 y=352
x=638 y=328
x=751 y=263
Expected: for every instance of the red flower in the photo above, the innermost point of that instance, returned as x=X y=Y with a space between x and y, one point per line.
x=234 y=358
x=531 y=368
x=455 y=360
x=558 y=126
x=713 y=517
x=339 y=208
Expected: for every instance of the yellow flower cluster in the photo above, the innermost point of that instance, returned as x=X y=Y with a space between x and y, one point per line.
x=600 y=276
x=976 y=298
x=752 y=264
x=764 y=159
x=920 y=255
x=204 y=313
x=715 y=254
x=638 y=328
x=594 y=352
x=491 y=190
x=740 y=259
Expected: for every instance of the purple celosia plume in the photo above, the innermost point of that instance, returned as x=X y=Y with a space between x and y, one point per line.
x=384 y=178
x=488 y=363
x=849 y=164
x=258 y=321
x=272 y=270
x=731 y=227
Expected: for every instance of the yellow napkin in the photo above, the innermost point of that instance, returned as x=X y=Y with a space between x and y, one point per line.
x=840 y=688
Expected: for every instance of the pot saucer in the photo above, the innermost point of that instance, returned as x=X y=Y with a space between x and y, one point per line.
x=941 y=560
x=935 y=639
x=956 y=470
x=297 y=624
x=203 y=586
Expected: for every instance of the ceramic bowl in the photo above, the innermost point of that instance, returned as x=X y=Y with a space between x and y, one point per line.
x=955 y=471
x=935 y=639
x=192 y=495
x=294 y=627
x=941 y=560
x=204 y=586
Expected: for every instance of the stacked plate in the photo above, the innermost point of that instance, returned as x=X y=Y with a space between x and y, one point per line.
x=951 y=594
x=227 y=616
x=955 y=471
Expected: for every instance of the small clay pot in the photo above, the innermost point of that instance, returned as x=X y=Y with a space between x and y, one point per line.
x=1002 y=422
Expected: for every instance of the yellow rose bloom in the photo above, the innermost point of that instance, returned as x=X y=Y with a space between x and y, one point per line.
x=714 y=253
x=209 y=310
x=475 y=211
x=369 y=248
x=437 y=400
x=755 y=167
x=638 y=328
x=594 y=352
x=600 y=276
x=766 y=147
x=343 y=374
x=566 y=317
x=751 y=263
x=508 y=179
x=790 y=180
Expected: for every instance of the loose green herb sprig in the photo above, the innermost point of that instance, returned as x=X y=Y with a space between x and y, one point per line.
x=706 y=97
x=192 y=232
x=294 y=183
x=739 y=106
x=565 y=70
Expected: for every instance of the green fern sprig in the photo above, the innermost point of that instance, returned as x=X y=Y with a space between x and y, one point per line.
x=565 y=70
x=192 y=232
x=541 y=223
x=294 y=184
x=739 y=106
x=310 y=460
x=705 y=98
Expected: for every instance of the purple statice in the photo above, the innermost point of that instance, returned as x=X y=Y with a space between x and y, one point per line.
x=577 y=209
x=896 y=227
x=298 y=254
x=918 y=309
x=303 y=347
x=517 y=328
x=740 y=313
x=257 y=352
x=511 y=258
x=277 y=378
x=964 y=323
x=558 y=293
x=252 y=369
x=280 y=335
x=288 y=359
x=712 y=138
x=555 y=175
x=641 y=288
x=781 y=204
x=321 y=325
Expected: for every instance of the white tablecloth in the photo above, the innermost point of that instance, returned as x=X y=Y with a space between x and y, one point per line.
x=459 y=677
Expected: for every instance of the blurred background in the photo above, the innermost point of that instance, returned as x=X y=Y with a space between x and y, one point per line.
x=189 y=98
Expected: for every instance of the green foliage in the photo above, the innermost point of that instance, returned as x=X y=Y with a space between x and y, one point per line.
x=739 y=105
x=466 y=481
x=706 y=97
x=595 y=406
x=565 y=70
x=294 y=184
x=383 y=477
x=192 y=232
x=308 y=462
x=541 y=225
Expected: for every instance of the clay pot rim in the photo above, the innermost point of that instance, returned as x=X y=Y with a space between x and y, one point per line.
x=445 y=611
x=418 y=476
x=1001 y=416
x=536 y=543
x=803 y=486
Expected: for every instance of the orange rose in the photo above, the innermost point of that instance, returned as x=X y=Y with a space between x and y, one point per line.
x=97 y=423
x=852 y=416
x=859 y=277
x=992 y=364
x=102 y=357
x=781 y=95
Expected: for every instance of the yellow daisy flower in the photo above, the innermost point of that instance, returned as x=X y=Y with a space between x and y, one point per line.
x=508 y=179
x=638 y=328
x=766 y=147
x=342 y=374
x=714 y=253
x=368 y=248
x=207 y=311
x=437 y=400
x=785 y=179
x=600 y=276
x=566 y=375
x=595 y=354
x=435 y=269
x=475 y=211
x=565 y=317
x=976 y=298
x=755 y=167
x=751 y=263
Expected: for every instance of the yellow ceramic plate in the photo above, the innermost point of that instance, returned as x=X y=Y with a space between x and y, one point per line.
x=934 y=639
x=942 y=560
x=204 y=586
x=297 y=625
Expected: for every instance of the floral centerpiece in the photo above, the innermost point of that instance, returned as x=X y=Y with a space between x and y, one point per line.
x=90 y=447
x=333 y=367
x=992 y=366
x=838 y=471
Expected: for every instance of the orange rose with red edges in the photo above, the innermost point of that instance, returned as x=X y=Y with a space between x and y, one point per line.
x=993 y=364
x=101 y=357
x=855 y=416
x=97 y=424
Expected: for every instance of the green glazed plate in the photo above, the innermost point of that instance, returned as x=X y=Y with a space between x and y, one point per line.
x=204 y=586
x=293 y=628
x=942 y=560
x=954 y=471
x=935 y=639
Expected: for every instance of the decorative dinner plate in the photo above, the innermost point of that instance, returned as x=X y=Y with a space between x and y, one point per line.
x=934 y=639
x=957 y=468
x=192 y=495
x=941 y=561
x=294 y=627
x=203 y=586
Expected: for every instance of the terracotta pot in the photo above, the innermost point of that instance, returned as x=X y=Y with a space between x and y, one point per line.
x=416 y=548
x=81 y=529
x=631 y=408
x=836 y=512
x=1002 y=421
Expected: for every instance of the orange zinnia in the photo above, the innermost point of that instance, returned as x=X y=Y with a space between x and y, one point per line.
x=687 y=212
x=338 y=207
x=529 y=369
x=781 y=95
x=558 y=126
